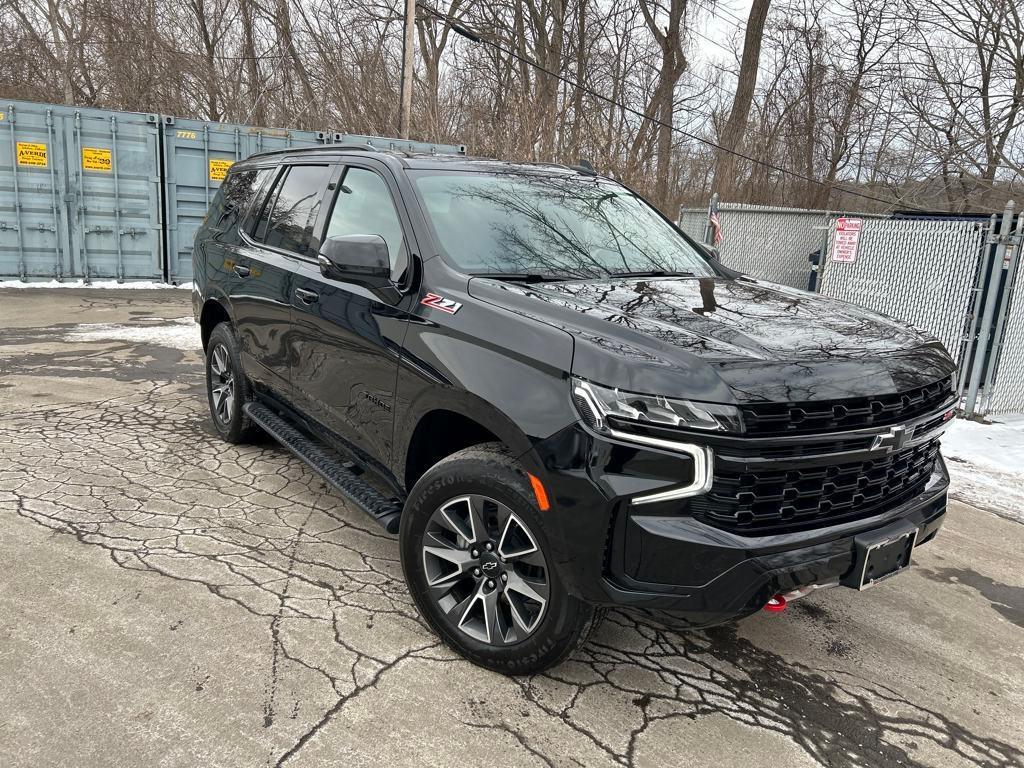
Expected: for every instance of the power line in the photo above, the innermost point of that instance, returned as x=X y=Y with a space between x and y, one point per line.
x=714 y=10
x=475 y=37
x=713 y=42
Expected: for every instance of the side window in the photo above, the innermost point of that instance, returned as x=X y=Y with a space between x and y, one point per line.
x=364 y=206
x=234 y=197
x=295 y=207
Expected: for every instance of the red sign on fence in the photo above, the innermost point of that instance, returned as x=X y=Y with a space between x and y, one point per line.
x=846 y=240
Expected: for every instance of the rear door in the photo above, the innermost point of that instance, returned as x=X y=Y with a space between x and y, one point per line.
x=261 y=276
x=346 y=340
x=216 y=246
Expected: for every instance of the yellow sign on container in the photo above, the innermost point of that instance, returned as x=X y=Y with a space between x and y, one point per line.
x=219 y=169
x=96 y=159
x=32 y=154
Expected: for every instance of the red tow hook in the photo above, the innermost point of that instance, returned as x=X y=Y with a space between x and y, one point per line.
x=776 y=605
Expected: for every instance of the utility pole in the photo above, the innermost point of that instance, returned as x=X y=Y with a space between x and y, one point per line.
x=405 y=117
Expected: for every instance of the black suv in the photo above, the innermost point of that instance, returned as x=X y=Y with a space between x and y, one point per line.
x=557 y=399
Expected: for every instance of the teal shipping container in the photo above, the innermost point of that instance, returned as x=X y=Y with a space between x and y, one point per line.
x=79 y=193
x=97 y=194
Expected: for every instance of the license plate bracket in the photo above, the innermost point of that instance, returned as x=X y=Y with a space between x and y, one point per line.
x=882 y=555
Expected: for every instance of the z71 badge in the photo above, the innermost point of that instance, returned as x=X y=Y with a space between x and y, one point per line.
x=439 y=302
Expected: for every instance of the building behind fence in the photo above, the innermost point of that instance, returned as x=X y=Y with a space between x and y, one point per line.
x=951 y=276
x=92 y=193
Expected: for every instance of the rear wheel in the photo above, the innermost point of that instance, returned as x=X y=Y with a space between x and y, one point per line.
x=227 y=389
x=479 y=566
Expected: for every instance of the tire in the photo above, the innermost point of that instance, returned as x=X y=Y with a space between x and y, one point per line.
x=227 y=388
x=504 y=627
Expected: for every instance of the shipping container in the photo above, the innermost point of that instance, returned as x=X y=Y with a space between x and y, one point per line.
x=79 y=193
x=92 y=193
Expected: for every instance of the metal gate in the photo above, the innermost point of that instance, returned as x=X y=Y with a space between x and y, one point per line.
x=920 y=271
x=1004 y=379
x=79 y=195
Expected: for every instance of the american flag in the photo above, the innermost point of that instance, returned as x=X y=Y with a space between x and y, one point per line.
x=715 y=222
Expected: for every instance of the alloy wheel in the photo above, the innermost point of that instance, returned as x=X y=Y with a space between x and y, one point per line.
x=484 y=570
x=222 y=384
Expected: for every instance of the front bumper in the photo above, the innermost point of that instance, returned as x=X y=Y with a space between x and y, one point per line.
x=611 y=552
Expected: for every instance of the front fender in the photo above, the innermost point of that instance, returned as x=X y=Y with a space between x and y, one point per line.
x=499 y=369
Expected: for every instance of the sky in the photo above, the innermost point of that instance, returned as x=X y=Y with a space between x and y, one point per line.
x=716 y=27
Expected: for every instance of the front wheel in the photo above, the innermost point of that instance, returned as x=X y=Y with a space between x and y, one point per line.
x=478 y=564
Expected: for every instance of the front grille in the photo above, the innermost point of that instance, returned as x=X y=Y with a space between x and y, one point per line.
x=775 y=419
x=777 y=501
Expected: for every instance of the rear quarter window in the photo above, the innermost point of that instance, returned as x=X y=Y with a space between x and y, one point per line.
x=233 y=199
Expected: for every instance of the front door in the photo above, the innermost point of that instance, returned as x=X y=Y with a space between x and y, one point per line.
x=347 y=340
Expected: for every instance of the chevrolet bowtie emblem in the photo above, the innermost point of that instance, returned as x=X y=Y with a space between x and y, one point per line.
x=892 y=440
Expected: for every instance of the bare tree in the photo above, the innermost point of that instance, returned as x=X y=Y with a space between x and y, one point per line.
x=920 y=102
x=732 y=134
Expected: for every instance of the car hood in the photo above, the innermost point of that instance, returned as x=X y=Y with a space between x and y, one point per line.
x=726 y=339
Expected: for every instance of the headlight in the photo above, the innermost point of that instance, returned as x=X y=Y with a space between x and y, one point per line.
x=597 y=405
x=611 y=412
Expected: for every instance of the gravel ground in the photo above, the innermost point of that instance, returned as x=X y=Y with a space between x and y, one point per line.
x=166 y=599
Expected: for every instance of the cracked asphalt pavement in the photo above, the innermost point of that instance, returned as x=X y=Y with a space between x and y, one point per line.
x=167 y=599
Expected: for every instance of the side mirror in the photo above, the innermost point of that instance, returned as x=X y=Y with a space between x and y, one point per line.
x=359 y=259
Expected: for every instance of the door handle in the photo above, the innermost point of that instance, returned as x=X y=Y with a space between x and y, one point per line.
x=241 y=270
x=307 y=297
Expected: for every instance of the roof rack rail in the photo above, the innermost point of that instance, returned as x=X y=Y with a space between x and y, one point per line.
x=350 y=142
x=387 y=144
x=288 y=150
x=354 y=145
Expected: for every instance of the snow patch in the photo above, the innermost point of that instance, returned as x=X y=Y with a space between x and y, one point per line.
x=986 y=464
x=180 y=333
x=131 y=285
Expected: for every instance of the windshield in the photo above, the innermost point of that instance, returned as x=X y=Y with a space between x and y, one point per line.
x=550 y=225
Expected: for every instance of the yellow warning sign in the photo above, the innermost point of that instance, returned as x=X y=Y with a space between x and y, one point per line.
x=31 y=154
x=96 y=159
x=219 y=169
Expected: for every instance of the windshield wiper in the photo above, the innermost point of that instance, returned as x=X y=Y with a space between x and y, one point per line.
x=520 y=277
x=653 y=273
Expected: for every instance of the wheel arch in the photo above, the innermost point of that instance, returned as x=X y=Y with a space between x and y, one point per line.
x=446 y=427
x=215 y=311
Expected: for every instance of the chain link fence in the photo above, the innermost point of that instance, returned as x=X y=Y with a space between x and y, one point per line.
x=1007 y=395
x=770 y=243
x=942 y=275
x=922 y=272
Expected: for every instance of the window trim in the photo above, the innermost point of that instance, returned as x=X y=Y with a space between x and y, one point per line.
x=265 y=196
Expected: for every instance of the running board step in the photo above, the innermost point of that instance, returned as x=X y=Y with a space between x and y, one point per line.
x=386 y=511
